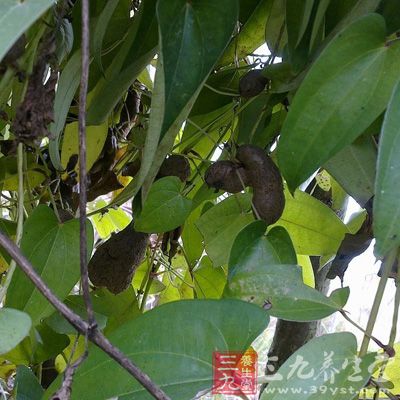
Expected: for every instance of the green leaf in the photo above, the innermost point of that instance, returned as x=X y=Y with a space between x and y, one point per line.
x=14 y=326
x=186 y=60
x=100 y=30
x=209 y=281
x=27 y=386
x=313 y=227
x=16 y=17
x=251 y=248
x=138 y=49
x=34 y=175
x=192 y=239
x=386 y=202
x=52 y=248
x=95 y=138
x=115 y=219
x=252 y=34
x=66 y=89
x=322 y=370
x=345 y=90
x=186 y=29
x=307 y=270
x=41 y=345
x=165 y=208
x=9 y=228
x=354 y=168
x=161 y=342
x=177 y=286
x=118 y=308
x=340 y=296
x=298 y=13
x=256 y=275
x=319 y=21
x=220 y=225
x=281 y=242
x=76 y=303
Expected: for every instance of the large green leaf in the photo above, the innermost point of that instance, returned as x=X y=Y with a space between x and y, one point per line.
x=346 y=89
x=27 y=386
x=251 y=249
x=41 y=345
x=220 y=225
x=313 y=227
x=325 y=368
x=16 y=17
x=165 y=208
x=172 y=343
x=209 y=281
x=14 y=326
x=192 y=239
x=257 y=276
x=354 y=168
x=386 y=202
x=53 y=249
x=100 y=30
x=252 y=33
x=298 y=13
x=66 y=89
x=138 y=49
x=186 y=60
x=186 y=31
x=76 y=303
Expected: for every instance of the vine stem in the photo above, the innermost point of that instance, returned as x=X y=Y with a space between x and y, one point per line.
x=78 y=323
x=393 y=331
x=387 y=266
x=20 y=218
x=82 y=163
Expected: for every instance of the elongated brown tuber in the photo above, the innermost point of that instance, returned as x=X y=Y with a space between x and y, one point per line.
x=115 y=261
x=256 y=170
x=175 y=165
x=224 y=175
x=252 y=84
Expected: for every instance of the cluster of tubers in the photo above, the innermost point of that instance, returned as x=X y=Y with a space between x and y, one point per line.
x=256 y=170
x=116 y=260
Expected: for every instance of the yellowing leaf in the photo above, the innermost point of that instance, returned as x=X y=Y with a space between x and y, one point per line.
x=306 y=269
x=95 y=139
x=313 y=227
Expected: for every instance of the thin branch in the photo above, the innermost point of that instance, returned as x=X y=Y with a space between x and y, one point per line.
x=387 y=267
x=82 y=164
x=20 y=219
x=78 y=323
x=393 y=331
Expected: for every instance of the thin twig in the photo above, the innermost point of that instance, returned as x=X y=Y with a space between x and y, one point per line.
x=393 y=331
x=20 y=219
x=82 y=164
x=387 y=266
x=78 y=323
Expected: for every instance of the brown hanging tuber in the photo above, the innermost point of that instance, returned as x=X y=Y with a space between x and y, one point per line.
x=252 y=83
x=175 y=165
x=115 y=261
x=224 y=175
x=256 y=170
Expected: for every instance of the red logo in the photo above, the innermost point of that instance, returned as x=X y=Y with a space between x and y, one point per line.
x=235 y=372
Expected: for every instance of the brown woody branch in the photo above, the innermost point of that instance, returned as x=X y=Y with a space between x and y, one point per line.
x=94 y=335
x=82 y=163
